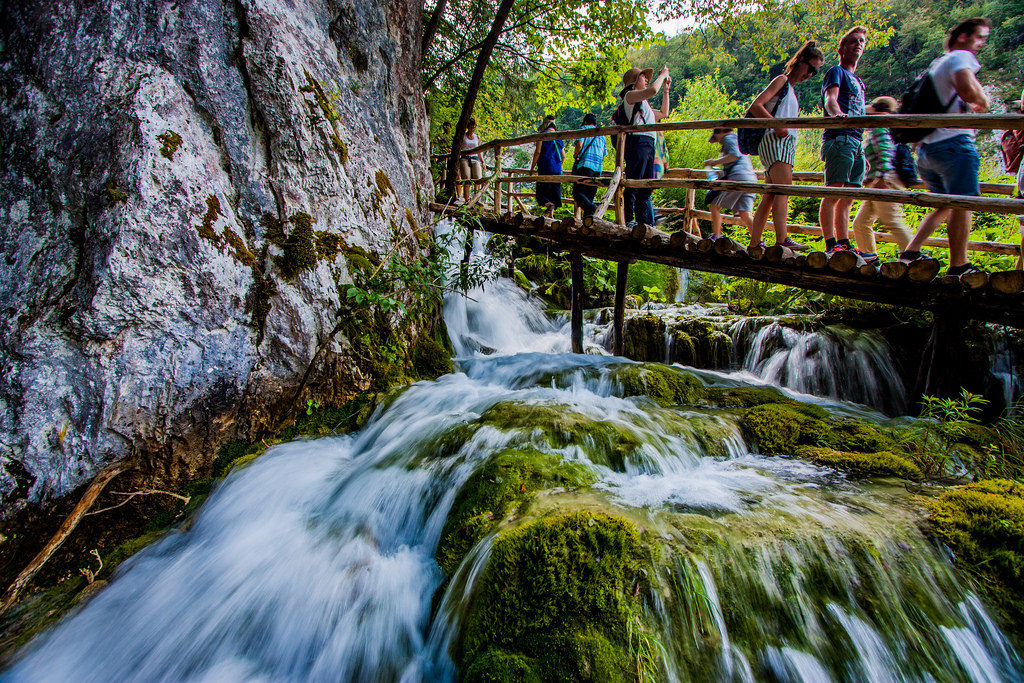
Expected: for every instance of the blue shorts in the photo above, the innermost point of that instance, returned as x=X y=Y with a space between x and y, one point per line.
x=950 y=166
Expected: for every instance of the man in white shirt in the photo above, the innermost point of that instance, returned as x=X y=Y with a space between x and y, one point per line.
x=947 y=159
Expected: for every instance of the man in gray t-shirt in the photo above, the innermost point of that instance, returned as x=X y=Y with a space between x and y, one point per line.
x=947 y=159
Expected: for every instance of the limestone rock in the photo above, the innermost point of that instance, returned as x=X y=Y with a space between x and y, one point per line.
x=154 y=155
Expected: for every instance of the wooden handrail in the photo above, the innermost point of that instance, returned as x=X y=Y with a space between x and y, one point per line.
x=971 y=121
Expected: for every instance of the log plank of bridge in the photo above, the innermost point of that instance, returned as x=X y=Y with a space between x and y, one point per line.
x=988 y=305
x=813 y=230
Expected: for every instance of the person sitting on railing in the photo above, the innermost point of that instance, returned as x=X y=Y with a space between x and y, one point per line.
x=737 y=166
x=842 y=94
x=589 y=160
x=880 y=153
x=547 y=160
x=947 y=158
x=777 y=148
x=637 y=89
x=471 y=167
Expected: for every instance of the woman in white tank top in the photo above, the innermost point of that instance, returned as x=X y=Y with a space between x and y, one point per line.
x=778 y=146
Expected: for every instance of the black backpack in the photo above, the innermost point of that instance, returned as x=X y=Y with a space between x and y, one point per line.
x=905 y=166
x=750 y=138
x=921 y=98
x=619 y=118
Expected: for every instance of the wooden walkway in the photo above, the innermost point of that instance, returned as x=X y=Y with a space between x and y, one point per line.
x=995 y=297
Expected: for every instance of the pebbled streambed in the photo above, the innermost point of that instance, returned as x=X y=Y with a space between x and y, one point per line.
x=532 y=515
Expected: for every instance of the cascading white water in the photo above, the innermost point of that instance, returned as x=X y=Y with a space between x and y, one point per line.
x=835 y=361
x=316 y=562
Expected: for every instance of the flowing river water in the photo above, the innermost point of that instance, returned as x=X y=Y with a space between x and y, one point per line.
x=317 y=561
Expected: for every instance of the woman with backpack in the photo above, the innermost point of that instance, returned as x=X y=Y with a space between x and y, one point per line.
x=637 y=87
x=547 y=159
x=471 y=167
x=777 y=147
x=880 y=153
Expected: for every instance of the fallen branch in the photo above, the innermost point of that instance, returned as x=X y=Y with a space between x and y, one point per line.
x=91 y=494
x=184 y=499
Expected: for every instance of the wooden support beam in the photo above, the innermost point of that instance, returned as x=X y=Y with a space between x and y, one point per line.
x=576 y=296
x=497 y=184
x=620 y=170
x=619 y=312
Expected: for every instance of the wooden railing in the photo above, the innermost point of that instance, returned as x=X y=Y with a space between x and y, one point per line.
x=498 y=185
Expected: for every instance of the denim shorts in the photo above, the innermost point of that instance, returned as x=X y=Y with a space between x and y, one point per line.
x=950 y=166
x=844 y=160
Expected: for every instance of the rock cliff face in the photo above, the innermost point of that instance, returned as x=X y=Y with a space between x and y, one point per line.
x=182 y=188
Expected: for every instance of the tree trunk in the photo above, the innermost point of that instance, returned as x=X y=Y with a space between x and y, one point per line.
x=435 y=21
x=474 y=86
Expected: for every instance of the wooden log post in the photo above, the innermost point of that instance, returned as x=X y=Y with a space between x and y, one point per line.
x=923 y=270
x=497 y=185
x=576 y=295
x=1007 y=282
x=845 y=261
x=620 y=169
x=893 y=270
x=619 y=312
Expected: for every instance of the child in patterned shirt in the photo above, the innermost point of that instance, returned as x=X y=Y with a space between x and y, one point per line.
x=879 y=151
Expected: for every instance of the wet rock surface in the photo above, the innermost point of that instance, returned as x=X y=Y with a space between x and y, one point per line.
x=157 y=157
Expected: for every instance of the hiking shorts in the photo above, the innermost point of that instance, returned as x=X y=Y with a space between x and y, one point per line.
x=844 y=160
x=773 y=148
x=950 y=166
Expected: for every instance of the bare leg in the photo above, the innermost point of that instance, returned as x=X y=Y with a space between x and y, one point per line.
x=928 y=225
x=716 y=220
x=748 y=222
x=827 y=217
x=958 y=227
x=760 y=218
x=842 y=217
x=780 y=217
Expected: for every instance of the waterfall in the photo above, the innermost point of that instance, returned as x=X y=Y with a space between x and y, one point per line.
x=317 y=561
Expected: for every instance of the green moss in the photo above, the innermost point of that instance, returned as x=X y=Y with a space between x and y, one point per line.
x=561 y=591
x=430 y=359
x=684 y=351
x=115 y=195
x=710 y=346
x=743 y=397
x=360 y=260
x=857 y=435
x=273 y=229
x=299 y=248
x=340 y=147
x=644 y=338
x=328 y=244
x=498 y=666
x=663 y=384
x=170 y=142
x=880 y=464
x=521 y=280
x=984 y=525
x=605 y=442
x=205 y=228
x=383 y=183
x=509 y=479
x=780 y=427
x=323 y=102
x=238 y=248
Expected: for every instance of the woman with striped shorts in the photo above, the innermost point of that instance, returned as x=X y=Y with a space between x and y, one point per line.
x=778 y=146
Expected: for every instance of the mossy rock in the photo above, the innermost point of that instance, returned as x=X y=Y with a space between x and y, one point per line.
x=522 y=281
x=983 y=523
x=666 y=386
x=743 y=397
x=778 y=428
x=879 y=464
x=644 y=338
x=857 y=435
x=498 y=666
x=508 y=480
x=561 y=591
x=429 y=358
x=683 y=350
x=299 y=247
x=710 y=346
x=605 y=442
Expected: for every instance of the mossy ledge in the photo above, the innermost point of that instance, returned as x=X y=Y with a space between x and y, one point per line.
x=556 y=602
x=664 y=385
x=880 y=464
x=983 y=523
x=498 y=489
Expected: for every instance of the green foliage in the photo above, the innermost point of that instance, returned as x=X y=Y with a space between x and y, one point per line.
x=938 y=447
x=984 y=525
